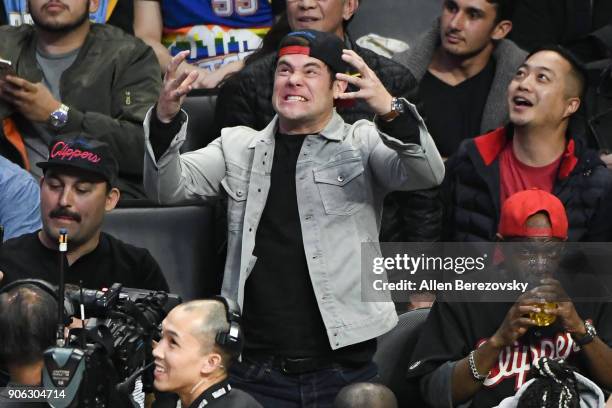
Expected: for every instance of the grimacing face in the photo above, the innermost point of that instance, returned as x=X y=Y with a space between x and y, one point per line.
x=78 y=204
x=303 y=95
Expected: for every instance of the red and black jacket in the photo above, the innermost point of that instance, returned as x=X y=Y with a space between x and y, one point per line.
x=472 y=190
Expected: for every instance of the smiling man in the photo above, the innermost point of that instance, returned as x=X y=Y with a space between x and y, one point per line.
x=304 y=194
x=76 y=191
x=535 y=150
x=192 y=357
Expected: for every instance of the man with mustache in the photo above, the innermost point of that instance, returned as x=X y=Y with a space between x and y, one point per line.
x=78 y=187
x=71 y=75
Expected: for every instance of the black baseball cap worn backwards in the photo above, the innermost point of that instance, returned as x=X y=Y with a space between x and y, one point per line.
x=83 y=153
x=323 y=46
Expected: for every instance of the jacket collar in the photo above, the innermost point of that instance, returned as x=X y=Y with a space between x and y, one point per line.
x=490 y=145
x=333 y=131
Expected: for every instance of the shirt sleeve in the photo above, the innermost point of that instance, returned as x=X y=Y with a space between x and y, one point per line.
x=20 y=206
x=161 y=134
x=405 y=127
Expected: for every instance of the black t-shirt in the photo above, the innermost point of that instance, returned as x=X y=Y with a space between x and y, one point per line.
x=111 y=261
x=280 y=313
x=452 y=330
x=454 y=113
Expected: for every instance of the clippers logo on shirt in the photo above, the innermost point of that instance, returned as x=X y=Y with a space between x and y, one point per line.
x=17 y=12
x=216 y=32
x=516 y=361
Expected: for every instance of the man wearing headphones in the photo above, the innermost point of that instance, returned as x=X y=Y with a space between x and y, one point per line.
x=28 y=316
x=200 y=340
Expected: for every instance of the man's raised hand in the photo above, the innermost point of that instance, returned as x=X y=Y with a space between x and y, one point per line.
x=371 y=90
x=174 y=89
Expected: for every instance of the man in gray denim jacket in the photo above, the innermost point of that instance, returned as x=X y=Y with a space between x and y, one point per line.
x=304 y=194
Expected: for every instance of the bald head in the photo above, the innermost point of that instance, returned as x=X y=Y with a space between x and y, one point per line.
x=365 y=395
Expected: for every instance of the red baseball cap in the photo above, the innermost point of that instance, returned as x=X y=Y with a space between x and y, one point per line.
x=522 y=205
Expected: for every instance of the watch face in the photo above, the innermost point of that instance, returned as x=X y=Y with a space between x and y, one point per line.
x=590 y=328
x=58 y=118
x=398 y=106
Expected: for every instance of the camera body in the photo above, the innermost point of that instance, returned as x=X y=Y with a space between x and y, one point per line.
x=99 y=364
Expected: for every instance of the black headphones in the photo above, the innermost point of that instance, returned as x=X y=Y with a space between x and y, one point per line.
x=46 y=287
x=232 y=340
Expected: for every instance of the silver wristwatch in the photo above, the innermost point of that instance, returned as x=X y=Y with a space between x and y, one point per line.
x=59 y=117
x=590 y=335
x=397 y=108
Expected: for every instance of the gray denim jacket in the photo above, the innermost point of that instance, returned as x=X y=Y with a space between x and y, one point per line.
x=342 y=176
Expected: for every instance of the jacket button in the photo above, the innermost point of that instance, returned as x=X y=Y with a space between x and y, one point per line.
x=341 y=178
x=239 y=193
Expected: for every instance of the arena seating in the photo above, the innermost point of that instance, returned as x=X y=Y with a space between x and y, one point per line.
x=200 y=108
x=181 y=239
x=393 y=357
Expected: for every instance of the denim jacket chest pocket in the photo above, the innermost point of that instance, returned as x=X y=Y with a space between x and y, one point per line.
x=237 y=191
x=341 y=184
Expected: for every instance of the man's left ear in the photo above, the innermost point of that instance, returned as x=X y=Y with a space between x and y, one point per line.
x=211 y=362
x=349 y=8
x=339 y=87
x=93 y=5
x=501 y=30
x=112 y=198
x=573 y=104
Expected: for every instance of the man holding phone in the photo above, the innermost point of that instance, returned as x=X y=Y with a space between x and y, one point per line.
x=67 y=74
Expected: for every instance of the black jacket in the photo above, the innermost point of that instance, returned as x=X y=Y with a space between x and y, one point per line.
x=110 y=86
x=472 y=190
x=246 y=99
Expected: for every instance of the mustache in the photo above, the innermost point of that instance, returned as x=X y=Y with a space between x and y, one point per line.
x=54 y=2
x=62 y=212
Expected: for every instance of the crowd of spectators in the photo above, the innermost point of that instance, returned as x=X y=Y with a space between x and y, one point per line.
x=439 y=143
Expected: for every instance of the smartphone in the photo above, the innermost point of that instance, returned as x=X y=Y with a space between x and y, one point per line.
x=6 y=68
